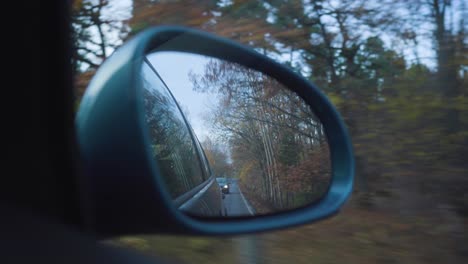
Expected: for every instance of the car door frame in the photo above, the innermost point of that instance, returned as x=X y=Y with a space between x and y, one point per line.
x=197 y=197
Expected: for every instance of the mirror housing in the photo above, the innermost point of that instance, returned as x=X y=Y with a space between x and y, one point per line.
x=121 y=189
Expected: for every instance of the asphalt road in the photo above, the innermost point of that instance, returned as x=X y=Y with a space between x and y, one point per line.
x=235 y=203
x=249 y=247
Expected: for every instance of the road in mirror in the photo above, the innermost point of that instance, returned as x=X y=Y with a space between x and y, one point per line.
x=230 y=141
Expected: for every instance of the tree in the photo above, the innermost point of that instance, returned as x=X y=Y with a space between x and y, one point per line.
x=95 y=36
x=271 y=132
x=404 y=115
x=90 y=35
x=217 y=158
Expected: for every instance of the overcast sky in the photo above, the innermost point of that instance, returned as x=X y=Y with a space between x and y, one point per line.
x=174 y=68
x=121 y=10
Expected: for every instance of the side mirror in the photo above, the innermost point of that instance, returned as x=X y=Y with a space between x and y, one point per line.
x=285 y=154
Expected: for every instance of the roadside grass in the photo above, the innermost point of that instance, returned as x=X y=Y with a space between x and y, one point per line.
x=353 y=236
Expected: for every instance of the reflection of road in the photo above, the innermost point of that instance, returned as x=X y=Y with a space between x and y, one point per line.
x=235 y=202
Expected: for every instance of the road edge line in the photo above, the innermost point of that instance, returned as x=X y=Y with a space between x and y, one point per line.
x=251 y=211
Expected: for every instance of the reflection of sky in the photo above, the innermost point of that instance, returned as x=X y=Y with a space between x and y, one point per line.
x=174 y=68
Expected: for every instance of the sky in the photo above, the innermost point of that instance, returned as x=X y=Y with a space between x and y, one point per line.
x=121 y=10
x=174 y=68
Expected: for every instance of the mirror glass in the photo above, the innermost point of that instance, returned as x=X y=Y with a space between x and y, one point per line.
x=230 y=141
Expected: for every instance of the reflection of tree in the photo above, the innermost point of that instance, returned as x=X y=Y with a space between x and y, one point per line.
x=171 y=142
x=217 y=159
x=277 y=144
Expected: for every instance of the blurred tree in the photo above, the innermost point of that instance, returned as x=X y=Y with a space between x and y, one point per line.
x=95 y=36
x=403 y=115
x=89 y=33
x=397 y=72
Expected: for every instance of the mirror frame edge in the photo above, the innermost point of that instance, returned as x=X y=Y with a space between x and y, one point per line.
x=174 y=38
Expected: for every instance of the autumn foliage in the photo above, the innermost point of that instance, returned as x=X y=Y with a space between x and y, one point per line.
x=406 y=110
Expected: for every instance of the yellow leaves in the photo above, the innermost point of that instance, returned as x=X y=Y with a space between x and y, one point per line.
x=243 y=30
x=139 y=26
x=199 y=244
x=209 y=156
x=336 y=99
x=420 y=153
x=461 y=103
x=77 y=5
x=170 y=13
x=412 y=109
x=245 y=170
x=456 y=139
x=373 y=107
x=295 y=33
x=370 y=135
x=134 y=242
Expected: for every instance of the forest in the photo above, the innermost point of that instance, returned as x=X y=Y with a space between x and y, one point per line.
x=277 y=146
x=405 y=106
x=395 y=70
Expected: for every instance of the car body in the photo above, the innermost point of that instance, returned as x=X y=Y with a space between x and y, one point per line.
x=189 y=178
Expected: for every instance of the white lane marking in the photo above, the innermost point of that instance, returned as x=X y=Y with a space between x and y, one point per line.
x=245 y=201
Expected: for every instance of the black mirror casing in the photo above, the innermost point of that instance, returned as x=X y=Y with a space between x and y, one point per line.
x=121 y=190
